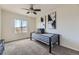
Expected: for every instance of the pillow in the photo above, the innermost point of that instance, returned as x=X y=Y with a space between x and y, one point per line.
x=41 y=30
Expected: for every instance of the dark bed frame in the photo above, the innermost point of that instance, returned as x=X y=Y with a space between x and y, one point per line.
x=52 y=40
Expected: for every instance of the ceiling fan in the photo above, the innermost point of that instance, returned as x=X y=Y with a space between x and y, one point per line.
x=32 y=10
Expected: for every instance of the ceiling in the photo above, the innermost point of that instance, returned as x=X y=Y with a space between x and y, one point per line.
x=17 y=8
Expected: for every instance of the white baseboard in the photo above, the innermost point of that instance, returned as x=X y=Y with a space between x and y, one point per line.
x=17 y=40
x=69 y=47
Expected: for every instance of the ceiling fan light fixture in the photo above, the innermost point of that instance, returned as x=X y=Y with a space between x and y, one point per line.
x=32 y=10
x=35 y=13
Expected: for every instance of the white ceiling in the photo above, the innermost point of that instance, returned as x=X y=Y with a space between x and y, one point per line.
x=17 y=8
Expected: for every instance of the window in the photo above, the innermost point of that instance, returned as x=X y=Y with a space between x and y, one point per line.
x=20 y=26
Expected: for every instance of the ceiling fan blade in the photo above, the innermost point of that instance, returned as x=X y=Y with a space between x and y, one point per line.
x=37 y=9
x=25 y=9
x=35 y=13
x=28 y=12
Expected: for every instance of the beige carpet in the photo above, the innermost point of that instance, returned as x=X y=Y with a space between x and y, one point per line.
x=30 y=47
x=25 y=47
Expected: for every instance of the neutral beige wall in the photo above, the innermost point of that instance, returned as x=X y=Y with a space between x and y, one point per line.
x=0 y=23
x=67 y=26
x=8 y=30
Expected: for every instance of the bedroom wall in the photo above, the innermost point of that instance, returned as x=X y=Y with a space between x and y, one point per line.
x=67 y=25
x=0 y=23
x=8 y=29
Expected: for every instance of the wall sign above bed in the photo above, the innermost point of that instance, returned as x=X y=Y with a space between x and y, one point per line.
x=51 y=23
x=42 y=24
x=48 y=21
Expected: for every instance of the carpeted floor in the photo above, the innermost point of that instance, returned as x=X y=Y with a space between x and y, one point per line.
x=30 y=47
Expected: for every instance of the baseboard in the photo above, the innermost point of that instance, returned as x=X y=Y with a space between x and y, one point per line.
x=69 y=47
x=17 y=40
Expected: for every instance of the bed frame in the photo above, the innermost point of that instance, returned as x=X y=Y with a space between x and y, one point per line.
x=47 y=38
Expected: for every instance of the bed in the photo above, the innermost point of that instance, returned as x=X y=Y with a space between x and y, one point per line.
x=47 y=38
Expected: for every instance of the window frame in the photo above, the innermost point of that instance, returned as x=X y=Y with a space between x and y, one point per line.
x=21 y=26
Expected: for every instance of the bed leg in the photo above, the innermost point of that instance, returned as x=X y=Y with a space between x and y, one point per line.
x=49 y=45
x=58 y=39
x=30 y=36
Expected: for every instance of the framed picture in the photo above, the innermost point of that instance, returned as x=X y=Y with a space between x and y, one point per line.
x=42 y=22
x=51 y=23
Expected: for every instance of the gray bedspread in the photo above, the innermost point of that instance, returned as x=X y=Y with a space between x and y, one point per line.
x=45 y=37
